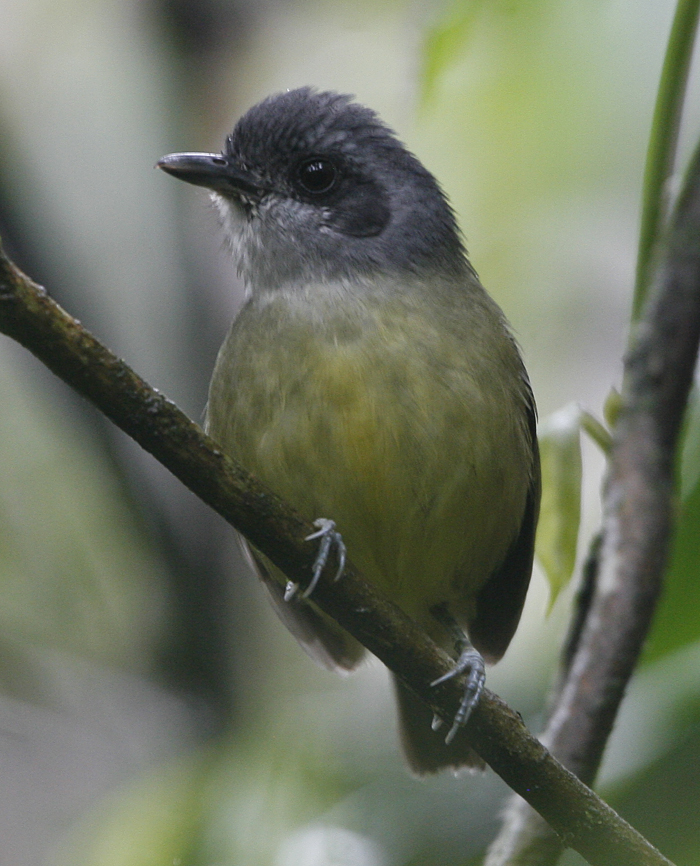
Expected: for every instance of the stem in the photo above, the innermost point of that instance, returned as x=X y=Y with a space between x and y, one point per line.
x=638 y=520
x=598 y=433
x=661 y=153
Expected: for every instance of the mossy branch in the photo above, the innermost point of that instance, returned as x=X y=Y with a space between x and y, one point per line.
x=579 y=816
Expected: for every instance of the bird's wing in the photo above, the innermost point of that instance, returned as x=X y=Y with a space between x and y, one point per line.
x=321 y=637
x=500 y=601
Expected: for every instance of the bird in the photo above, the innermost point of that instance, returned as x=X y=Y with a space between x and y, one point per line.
x=371 y=382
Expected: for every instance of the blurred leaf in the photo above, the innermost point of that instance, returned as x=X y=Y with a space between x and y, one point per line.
x=249 y=803
x=445 y=41
x=153 y=823
x=663 y=801
x=77 y=573
x=328 y=846
x=560 y=512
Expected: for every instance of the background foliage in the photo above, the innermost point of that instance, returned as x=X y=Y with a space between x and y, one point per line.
x=152 y=710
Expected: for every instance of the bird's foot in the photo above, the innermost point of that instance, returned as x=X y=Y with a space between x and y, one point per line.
x=329 y=536
x=471 y=663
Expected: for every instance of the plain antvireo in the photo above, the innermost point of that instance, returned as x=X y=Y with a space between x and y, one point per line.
x=370 y=380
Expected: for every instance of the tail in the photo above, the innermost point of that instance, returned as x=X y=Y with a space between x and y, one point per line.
x=424 y=748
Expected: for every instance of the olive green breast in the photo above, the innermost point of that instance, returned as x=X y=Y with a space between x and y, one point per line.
x=400 y=413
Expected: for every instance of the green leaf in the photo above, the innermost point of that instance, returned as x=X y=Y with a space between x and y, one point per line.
x=560 y=512
x=446 y=39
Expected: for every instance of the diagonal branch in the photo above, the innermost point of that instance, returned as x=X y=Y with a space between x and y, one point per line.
x=587 y=824
x=637 y=525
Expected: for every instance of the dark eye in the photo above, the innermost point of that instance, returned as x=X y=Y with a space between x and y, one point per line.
x=317 y=175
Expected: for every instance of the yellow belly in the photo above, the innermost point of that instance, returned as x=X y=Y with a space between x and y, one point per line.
x=404 y=425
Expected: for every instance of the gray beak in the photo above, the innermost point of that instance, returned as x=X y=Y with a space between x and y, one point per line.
x=211 y=170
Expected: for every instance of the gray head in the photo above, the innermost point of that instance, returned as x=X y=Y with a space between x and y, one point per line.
x=312 y=186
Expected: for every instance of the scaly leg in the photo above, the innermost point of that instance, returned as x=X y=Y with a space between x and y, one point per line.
x=469 y=661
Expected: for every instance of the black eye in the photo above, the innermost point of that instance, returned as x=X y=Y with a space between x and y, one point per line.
x=317 y=174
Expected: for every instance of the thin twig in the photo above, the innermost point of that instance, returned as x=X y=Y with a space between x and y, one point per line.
x=637 y=524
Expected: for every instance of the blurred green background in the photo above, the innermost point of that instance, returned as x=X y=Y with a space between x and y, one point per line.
x=153 y=712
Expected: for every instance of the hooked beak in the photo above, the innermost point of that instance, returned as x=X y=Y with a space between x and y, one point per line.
x=211 y=170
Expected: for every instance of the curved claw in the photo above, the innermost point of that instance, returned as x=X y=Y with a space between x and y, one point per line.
x=329 y=536
x=470 y=662
x=290 y=590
